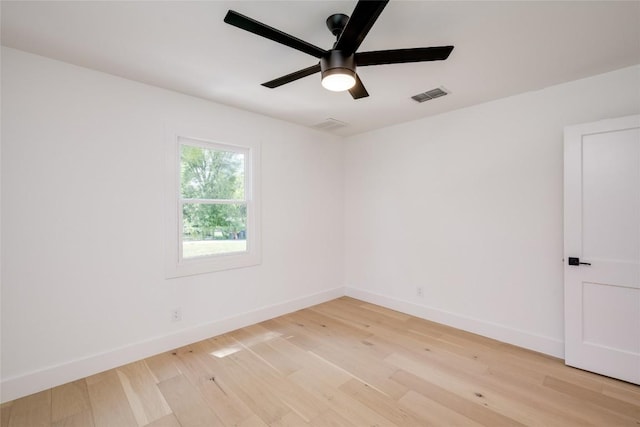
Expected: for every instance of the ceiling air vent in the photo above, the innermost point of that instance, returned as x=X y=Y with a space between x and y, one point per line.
x=430 y=94
x=329 y=124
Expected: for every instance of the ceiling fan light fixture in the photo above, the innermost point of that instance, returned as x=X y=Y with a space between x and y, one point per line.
x=338 y=71
x=338 y=80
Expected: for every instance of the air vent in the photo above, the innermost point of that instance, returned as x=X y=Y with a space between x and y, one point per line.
x=430 y=94
x=329 y=124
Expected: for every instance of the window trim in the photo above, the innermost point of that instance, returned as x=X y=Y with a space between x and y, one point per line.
x=175 y=264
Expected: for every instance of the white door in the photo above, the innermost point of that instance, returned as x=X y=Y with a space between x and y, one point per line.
x=602 y=230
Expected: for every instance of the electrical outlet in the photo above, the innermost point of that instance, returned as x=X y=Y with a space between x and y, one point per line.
x=419 y=292
x=176 y=315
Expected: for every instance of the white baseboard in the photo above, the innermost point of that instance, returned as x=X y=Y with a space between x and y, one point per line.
x=542 y=344
x=23 y=385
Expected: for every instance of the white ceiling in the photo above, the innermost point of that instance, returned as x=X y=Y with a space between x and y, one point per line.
x=501 y=49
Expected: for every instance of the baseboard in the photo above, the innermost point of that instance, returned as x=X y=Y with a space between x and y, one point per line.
x=542 y=344
x=23 y=385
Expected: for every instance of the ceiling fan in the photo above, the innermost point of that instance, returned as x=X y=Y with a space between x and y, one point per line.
x=338 y=64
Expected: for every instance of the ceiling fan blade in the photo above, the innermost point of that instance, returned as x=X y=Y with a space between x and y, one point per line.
x=399 y=56
x=358 y=90
x=244 y=22
x=292 y=77
x=362 y=19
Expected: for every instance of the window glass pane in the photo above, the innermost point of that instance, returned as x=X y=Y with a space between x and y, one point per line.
x=213 y=229
x=206 y=173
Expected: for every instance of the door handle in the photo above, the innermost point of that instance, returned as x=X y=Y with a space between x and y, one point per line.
x=576 y=261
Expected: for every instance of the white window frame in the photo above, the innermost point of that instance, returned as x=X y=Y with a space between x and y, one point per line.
x=175 y=264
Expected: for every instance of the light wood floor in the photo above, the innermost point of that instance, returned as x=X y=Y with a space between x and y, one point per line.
x=342 y=363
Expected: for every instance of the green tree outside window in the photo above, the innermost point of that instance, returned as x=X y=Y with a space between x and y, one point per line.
x=214 y=209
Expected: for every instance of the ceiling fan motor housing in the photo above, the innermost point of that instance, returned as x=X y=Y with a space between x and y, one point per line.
x=336 y=62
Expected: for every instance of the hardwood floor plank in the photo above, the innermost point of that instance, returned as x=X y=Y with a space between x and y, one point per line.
x=609 y=403
x=330 y=418
x=290 y=419
x=109 y=402
x=301 y=358
x=252 y=335
x=326 y=328
x=324 y=371
x=166 y=421
x=32 y=411
x=81 y=419
x=69 y=399
x=5 y=413
x=292 y=332
x=322 y=386
x=278 y=360
x=381 y=310
x=356 y=355
x=431 y=413
x=253 y=421
x=375 y=373
x=235 y=378
x=623 y=392
x=268 y=379
x=162 y=367
x=384 y=405
x=186 y=403
x=352 y=314
x=572 y=411
x=472 y=410
x=201 y=370
x=145 y=399
x=475 y=389
x=529 y=360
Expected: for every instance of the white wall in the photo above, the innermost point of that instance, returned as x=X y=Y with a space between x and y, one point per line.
x=83 y=285
x=468 y=206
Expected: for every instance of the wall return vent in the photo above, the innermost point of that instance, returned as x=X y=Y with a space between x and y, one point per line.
x=430 y=94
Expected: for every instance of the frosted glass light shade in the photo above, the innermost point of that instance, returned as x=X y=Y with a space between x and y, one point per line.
x=338 y=82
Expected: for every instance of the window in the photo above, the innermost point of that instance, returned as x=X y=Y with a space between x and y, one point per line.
x=213 y=214
x=212 y=200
